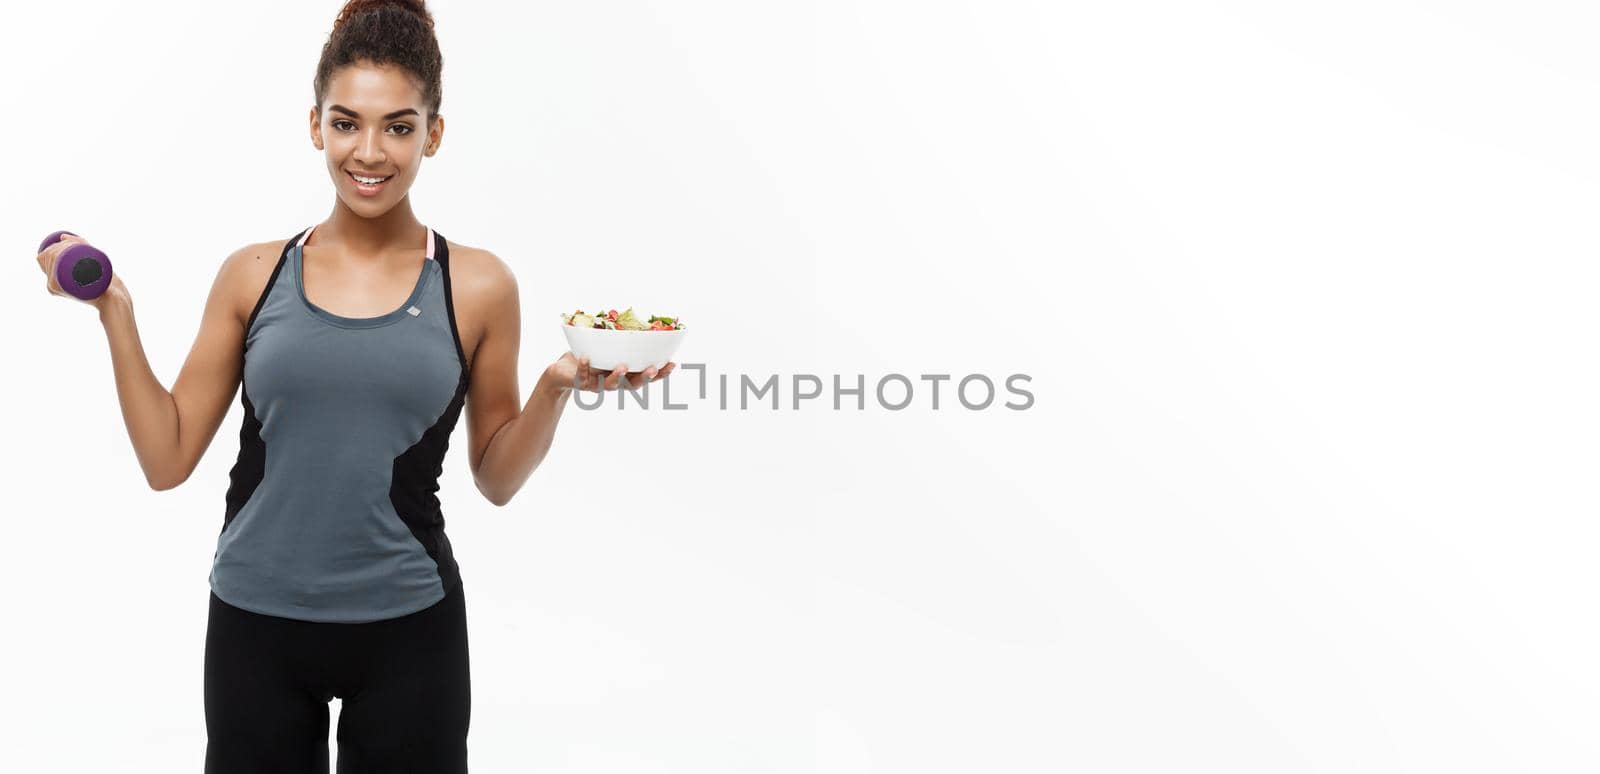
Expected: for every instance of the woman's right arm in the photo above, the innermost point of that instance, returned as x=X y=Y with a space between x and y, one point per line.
x=171 y=430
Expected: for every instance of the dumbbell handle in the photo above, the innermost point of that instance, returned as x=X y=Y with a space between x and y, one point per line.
x=81 y=269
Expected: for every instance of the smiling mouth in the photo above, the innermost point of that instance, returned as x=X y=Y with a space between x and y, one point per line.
x=381 y=181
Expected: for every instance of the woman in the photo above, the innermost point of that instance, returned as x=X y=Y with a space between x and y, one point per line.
x=358 y=341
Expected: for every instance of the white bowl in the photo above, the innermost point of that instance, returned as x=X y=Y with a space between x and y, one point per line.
x=608 y=349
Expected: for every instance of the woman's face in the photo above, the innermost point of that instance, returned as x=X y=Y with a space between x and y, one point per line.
x=370 y=123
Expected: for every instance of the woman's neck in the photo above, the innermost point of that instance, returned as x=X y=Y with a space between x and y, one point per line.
x=397 y=229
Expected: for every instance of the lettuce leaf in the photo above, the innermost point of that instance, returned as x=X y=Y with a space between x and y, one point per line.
x=629 y=322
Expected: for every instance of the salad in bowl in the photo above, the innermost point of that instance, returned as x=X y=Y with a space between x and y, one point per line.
x=613 y=338
x=626 y=321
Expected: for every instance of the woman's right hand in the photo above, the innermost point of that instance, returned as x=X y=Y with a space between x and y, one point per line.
x=47 y=264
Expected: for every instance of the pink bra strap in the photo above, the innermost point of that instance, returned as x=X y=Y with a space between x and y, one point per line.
x=307 y=238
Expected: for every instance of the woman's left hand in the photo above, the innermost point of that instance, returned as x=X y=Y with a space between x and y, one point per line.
x=571 y=370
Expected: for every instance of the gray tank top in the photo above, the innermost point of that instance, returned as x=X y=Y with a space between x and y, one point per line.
x=331 y=512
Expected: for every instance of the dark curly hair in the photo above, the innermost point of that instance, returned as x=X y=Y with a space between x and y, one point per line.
x=385 y=32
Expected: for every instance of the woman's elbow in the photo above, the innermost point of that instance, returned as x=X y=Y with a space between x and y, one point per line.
x=496 y=498
x=163 y=480
x=163 y=484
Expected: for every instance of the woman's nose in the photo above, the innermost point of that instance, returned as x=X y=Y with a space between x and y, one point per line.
x=369 y=150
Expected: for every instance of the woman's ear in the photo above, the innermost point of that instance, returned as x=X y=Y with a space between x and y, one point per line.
x=435 y=136
x=316 y=129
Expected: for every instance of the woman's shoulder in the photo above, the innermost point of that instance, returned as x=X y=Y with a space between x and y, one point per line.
x=244 y=274
x=485 y=293
x=479 y=273
x=256 y=259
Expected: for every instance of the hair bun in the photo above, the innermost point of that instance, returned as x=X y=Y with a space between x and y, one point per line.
x=354 y=7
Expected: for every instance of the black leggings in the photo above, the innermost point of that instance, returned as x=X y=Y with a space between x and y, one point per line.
x=404 y=684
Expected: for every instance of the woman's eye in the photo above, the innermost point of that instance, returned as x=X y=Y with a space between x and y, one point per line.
x=340 y=125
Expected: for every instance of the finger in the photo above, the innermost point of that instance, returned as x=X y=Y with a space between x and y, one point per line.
x=50 y=283
x=47 y=256
x=62 y=242
x=616 y=377
x=50 y=255
x=583 y=376
x=662 y=374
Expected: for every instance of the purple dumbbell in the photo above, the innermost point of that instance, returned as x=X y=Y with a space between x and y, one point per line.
x=81 y=270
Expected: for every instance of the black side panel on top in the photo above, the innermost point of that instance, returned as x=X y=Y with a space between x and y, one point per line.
x=415 y=478
x=251 y=465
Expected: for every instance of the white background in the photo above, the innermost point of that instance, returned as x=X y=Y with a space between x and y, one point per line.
x=1305 y=292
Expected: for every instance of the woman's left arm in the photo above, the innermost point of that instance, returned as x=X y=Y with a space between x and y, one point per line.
x=505 y=444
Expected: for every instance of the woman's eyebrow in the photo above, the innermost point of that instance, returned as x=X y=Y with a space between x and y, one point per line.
x=395 y=114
